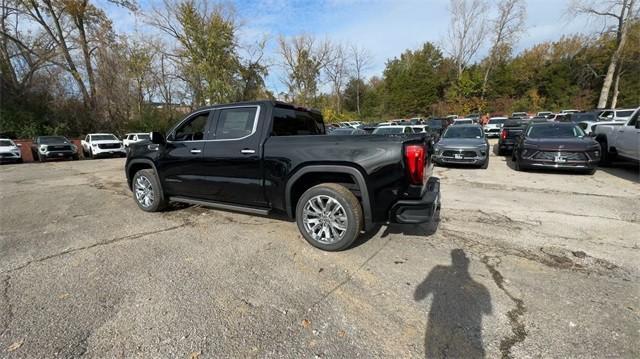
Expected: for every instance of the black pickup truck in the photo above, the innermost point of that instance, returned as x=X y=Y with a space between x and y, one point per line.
x=511 y=130
x=267 y=156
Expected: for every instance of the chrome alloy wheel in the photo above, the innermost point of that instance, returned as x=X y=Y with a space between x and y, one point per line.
x=325 y=220
x=144 y=191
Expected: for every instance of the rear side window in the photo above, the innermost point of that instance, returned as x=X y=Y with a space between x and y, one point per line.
x=292 y=122
x=234 y=123
x=634 y=119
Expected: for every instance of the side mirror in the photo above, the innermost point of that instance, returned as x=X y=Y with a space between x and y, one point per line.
x=158 y=138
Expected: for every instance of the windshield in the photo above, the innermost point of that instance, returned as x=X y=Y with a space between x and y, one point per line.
x=497 y=121
x=341 y=131
x=554 y=131
x=103 y=138
x=6 y=143
x=49 y=140
x=144 y=137
x=434 y=123
x=584 y=117
x=388 y=130
x=463 y=132
x=463 y=122
x=624 y=113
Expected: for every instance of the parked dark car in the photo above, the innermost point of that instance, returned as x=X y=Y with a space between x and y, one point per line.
x=347 y=132
x=438 y=124
x=462 y=144
x=580 y=117
x=556 y=146
x=510 y=131
x=271 y=157
x=44 y=148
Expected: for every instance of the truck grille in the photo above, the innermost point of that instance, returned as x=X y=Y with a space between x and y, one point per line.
x=450 y=153
x=569 y=156
x=106 y=146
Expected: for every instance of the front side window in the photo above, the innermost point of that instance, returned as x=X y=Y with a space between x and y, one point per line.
x=234 y=123
x=634 y=119
x=192 y=129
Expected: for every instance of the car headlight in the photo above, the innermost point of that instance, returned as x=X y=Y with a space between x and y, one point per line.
x=74 y=147
x=43 y=148
x=94 y=144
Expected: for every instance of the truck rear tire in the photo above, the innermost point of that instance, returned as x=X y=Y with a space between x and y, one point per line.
x=329 y=216
x=147 y=191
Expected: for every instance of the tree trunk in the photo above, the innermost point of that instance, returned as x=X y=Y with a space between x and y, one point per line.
x=79 y=21
x=623 y=29
x=616 y=84
x=358 y=96
x=486 y=79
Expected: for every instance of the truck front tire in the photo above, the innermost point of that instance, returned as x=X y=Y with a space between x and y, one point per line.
x=147 y=191
x=329 y=216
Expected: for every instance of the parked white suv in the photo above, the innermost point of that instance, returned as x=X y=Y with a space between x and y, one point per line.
x=102 y=144
x=493 y=127
x=622 y=115
x=130 y=138
x=620 y=140
x=9 y=151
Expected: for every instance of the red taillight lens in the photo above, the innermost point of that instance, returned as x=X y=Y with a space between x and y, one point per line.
x=415 y=157
x=503 y=134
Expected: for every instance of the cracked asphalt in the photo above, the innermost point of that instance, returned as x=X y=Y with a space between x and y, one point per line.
x=536 y=264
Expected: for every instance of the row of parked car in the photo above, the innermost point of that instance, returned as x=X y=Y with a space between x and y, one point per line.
x=570 y=139
x=94 y=145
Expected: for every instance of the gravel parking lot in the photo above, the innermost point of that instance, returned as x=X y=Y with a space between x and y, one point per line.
x=535 y=264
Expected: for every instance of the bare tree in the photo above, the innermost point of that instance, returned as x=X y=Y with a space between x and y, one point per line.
x=506 y=28
x=337 y=71
x=361 y=61
x=303 y=58
x=467 y=30
x=622 y=12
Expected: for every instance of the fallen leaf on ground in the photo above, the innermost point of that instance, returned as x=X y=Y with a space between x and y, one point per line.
x=306 y=323
x=13 y=347
x=195 y=355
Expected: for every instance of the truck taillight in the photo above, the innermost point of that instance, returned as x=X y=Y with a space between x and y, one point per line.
x=415 y=158
x=503 y=134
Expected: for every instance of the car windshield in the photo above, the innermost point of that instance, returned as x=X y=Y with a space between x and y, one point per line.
x=49 y=140
x=388 y=130
x=144 y=137
x=463 y=122
x=554 y=131
x=625 y=113
x=341 y=132
x=498 y=121
x=463 y=132
x=434 y=123
x=103 y=138
x=6 y=143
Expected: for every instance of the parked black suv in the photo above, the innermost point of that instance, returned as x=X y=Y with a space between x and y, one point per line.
x=268 y=156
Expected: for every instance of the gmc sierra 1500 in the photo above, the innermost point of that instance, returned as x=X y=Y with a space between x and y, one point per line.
x=268 y=156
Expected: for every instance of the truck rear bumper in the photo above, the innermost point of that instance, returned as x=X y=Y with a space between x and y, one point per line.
x=418 y=210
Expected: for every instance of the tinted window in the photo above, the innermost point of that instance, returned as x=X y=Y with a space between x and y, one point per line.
x=292 y=122
x=192 y=129
x=634 y=119
x=49 y=140
x=624 y=113
x=462 y=132
x=5 y=143
x=388 y=131
x=496 y=121
x=435 y=123
x=103 y=138
x=235 y=123
x=144 y=137
x=554 y=131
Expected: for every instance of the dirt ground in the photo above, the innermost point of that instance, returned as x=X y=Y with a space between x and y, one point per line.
x=535 y=264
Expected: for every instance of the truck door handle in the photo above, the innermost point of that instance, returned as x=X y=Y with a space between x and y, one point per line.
x=196 y=151
x=248 y=151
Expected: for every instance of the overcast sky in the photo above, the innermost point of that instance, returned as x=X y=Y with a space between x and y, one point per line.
x=385 y=27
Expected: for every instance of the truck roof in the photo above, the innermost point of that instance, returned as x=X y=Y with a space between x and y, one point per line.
x=259 y=103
